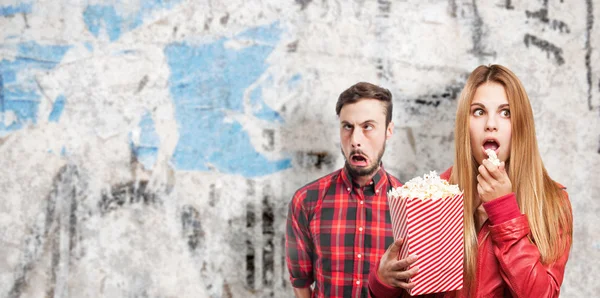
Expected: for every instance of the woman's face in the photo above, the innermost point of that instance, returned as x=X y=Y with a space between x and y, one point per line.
x=490 y=126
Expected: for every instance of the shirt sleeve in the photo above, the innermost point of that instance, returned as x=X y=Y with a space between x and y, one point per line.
x=298 y=244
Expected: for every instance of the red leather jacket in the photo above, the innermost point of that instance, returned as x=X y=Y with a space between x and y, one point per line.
x=508 y=263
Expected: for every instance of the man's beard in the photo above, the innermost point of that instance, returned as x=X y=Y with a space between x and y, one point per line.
x=361 y=172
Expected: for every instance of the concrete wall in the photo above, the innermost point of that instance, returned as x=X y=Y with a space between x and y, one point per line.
x=149 y=148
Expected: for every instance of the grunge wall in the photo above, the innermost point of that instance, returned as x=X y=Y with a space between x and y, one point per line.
x=149 y=148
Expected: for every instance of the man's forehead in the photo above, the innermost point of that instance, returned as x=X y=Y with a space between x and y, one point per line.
x=362 y=111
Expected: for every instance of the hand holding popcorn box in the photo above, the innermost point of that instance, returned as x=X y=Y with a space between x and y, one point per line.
x=428 y=214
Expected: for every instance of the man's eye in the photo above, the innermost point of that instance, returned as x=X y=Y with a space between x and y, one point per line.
x=347 y=127
x=368 y=127
x=505 y=113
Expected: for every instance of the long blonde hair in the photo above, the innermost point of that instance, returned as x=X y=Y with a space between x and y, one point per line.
x=538 y=196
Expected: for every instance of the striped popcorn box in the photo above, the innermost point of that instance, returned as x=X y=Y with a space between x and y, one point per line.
x=428 y=214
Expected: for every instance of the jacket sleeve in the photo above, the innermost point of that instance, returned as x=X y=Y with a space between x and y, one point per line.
x=519 y=259
x=298 y=244
x=377 y=289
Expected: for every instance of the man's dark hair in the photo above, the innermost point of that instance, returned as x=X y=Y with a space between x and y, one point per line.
x=365 y=90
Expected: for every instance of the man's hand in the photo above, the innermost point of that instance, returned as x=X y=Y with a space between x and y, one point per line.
x=392 y=271
x=302 y=292
x=493 y=181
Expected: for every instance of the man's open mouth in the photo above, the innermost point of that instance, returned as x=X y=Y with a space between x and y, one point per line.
x=358 y=160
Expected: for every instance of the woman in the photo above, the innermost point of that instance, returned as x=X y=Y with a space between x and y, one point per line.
x=518 y=222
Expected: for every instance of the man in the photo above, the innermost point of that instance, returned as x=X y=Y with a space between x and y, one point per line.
x=339 y=225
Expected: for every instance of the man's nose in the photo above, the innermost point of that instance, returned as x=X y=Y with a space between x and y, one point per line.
x=356 y=138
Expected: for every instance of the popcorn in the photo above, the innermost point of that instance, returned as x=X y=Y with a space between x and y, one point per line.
x=431 y=186
x=492 y=157
x=427 y=212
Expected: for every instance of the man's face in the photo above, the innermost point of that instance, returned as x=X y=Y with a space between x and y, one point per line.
x=363 y=135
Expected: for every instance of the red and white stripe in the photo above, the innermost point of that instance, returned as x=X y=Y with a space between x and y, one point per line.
x=433 y=230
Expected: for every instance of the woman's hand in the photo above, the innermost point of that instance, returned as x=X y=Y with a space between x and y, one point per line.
x=493 y=181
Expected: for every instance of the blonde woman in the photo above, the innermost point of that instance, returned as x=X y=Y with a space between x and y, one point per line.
x=518 y=221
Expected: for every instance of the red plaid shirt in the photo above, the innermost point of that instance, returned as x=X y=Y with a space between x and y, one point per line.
x=336 y=231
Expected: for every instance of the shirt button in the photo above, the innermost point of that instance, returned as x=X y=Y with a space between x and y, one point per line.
x=377 y=191
x=361 y=202
x=360 y=229
x=348 y=188
x=371 y=183
x=358 y=282
x=358 y=256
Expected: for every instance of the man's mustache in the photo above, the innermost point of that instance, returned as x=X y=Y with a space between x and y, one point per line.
x=357 y=151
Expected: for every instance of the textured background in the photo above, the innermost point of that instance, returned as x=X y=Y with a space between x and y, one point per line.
x=149 y=148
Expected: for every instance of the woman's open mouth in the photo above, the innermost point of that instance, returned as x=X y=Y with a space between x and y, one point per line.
x=491 y=144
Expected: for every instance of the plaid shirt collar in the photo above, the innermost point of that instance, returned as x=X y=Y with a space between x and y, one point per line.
x=378 y=180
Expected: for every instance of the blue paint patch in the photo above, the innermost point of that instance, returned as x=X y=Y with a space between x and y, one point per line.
x=146 y=150
x=148 y=136
x=50 y=55
x=11 y=10
x=9 y=76
x=147 y=156
x=25 y=107
x=57 y=109
x=269 y=35
x=266 y=113
x=19 y=91
x=293 y=82
x=116 y=23
x=256 y=96
x=89 y=46
x=1 y=96
x=98 y=16
x=207 y=82
x=126 y=52
x=260 y=109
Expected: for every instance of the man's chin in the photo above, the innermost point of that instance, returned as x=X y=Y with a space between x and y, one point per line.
x=360 y=171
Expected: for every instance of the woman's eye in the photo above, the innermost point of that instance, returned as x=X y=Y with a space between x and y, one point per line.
x=505 y=113
x=478 y=112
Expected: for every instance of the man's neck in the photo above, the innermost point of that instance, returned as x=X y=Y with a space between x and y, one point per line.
x=364 y=180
